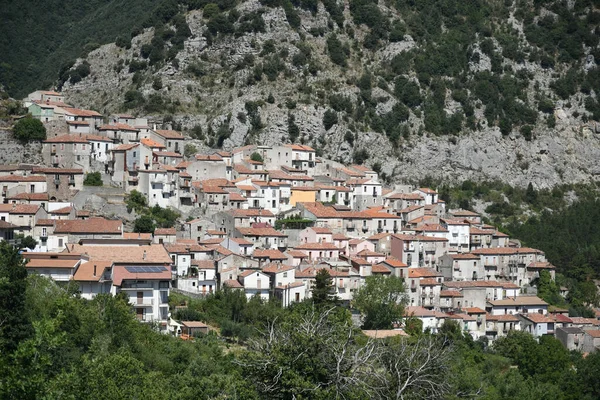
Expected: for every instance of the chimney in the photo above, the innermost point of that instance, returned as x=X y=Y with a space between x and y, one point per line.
x=144 y=255
x=94 y=269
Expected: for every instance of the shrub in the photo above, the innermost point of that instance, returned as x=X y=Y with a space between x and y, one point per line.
x=360 y=156
x=29 y=129
x=93 y=179
x=189 y=150
x=123 y=42
x=526 y=131
x=133 y=99
x=293 y=130
x=330 y=118
x=349 y=137
x=336 y=51
x=256 y=157
x=196 y=132
x=210 y=10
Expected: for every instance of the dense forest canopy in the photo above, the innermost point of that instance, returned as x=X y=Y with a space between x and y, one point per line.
x=39 y=37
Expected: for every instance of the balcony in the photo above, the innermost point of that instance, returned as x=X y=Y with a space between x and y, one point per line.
x=144 y=302
x=365 y=229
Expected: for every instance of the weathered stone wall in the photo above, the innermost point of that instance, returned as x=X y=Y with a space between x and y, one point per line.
x=13 y=152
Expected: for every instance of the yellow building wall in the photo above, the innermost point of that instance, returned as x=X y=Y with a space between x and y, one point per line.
x=302 y=196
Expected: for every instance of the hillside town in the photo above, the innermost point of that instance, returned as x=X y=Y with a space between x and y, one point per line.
x=263 y=220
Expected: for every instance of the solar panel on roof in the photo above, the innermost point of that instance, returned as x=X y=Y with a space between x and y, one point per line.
x=145 y=270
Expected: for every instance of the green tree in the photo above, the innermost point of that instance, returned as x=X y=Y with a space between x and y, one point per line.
x=189 y=150
x=323 y=291
x=548 y=289
x=256 y=157
x=144 y=224
x=310 y=353
x=336 y=50
x=293 y=130
x=531 y=195
x=29 y=129
x=136 y=201
x=27 y=242
x=14 y=322
x=330 y=118
x=381 y=301
x=93 y=179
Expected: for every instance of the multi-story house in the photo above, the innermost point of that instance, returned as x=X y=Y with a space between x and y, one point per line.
x=120 y=133
x=458 y=234
x=67 y=151
x=143 y=273
x=365 y=193
x=461 y=267
x=13 y=185
x=170 y=138
x=160 y=185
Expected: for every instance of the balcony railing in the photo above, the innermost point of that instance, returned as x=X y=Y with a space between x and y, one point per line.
x=144 y=302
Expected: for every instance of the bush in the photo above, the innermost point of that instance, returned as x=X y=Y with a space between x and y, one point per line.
x=189 y=150
x=526 y=131
x=157 y=83
x=29 y=129
x=336 y=51
x=133 y=99
x=329 y=119
x=93 y=179
x=293 y=130
x=360 y=156
x=210 y=10
x=123 y=42
x=144 y=224
x=256 y=157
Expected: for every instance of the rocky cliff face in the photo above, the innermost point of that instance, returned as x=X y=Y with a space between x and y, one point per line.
x=214 y=84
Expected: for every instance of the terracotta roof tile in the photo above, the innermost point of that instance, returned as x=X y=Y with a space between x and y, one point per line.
x=90 y=225
x=147 y=254
x=271 y=254
x=169 y=134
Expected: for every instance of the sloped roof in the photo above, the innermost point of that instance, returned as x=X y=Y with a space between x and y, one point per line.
x=90 y=225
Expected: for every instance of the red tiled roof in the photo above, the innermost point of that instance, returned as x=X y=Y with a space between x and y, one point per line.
x=422 y=273
x=274 y=268
x=317 y=246
x=392 y=262
x=165 y=231
x=90 y=225
x=380 y=269
x=271 y=254
x=169 y=134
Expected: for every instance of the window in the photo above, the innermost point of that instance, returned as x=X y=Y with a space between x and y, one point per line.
x=60 y=243
x=83 y=146
x=285 y=274
x=78 y=158
x=164 y=297
x=134 y=154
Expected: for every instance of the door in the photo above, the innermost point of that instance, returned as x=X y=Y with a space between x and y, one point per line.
x=140 y=297
x=139 y=313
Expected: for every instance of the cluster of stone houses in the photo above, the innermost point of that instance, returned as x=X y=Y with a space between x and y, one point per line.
x=272 y=217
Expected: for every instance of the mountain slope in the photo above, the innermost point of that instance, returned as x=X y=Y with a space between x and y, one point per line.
x=446 y=88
